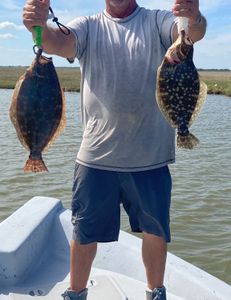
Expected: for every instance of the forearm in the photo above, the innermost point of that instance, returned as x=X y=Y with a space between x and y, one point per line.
x=197 y=29
x=55 y=42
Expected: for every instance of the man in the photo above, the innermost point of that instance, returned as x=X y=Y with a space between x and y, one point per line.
x=127 y=144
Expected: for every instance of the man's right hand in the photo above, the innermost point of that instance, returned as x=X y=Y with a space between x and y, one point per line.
x=35 y=13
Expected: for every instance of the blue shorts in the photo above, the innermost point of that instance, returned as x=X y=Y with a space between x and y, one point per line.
x=97 y=195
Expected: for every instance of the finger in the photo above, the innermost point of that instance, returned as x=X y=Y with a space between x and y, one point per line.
x=186 y=2
x=30 y=9
x=180 y=4
x=44 y=4
x=34 y=16
x=184 y=6
x=185 y=10
x=185 y=14
x=31 y=23
x=35 y=12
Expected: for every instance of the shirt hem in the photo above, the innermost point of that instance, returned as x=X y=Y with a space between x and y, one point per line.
x=126 y=169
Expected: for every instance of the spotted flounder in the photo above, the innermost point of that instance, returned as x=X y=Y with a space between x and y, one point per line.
x=180 y=93
x=38 y=110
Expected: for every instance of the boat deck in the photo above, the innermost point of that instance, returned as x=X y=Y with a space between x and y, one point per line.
x=34 y=262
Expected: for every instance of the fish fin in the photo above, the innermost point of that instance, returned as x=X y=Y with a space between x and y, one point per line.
x=13 y=112
x=160 y=102
x=200 y=102
x=62 y=124
x=188 y=141
x=35 y=165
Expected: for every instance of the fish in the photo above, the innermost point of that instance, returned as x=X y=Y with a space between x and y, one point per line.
x=180 y=93
x=38 y=110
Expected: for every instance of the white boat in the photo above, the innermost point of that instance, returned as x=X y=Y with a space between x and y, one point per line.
x=34 y=262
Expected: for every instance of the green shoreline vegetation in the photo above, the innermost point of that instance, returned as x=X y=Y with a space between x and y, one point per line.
x=218 y=81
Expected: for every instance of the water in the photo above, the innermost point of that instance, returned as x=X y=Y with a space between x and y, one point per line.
x=201 y=206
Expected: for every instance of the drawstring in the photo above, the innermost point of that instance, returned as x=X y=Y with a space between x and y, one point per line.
x=38 y=49
x=62 y=27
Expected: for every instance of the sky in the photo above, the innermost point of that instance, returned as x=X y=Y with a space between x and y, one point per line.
x=214 y=51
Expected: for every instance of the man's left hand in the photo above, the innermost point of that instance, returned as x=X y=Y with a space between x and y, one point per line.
x=187 y=8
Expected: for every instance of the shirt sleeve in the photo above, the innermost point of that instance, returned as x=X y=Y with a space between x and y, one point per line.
x=165 y=22
x=79 y=27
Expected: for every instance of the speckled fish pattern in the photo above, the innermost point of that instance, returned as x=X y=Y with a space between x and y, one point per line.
x=180 y=93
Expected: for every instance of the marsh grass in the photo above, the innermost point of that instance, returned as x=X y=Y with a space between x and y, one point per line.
x=218 y=82
x=69 y=77
x=9 y=76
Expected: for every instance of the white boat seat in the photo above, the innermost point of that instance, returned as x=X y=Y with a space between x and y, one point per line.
x=23 y=236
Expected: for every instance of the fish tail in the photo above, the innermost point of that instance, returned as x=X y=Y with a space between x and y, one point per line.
x=188 y=141
x=35 y=165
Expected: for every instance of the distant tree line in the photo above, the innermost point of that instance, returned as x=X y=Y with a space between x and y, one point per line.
x=216 y=70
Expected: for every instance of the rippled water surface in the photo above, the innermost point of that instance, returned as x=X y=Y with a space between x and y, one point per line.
x=201 y=206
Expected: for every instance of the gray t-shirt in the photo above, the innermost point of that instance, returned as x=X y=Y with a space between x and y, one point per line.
x=123 y=129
